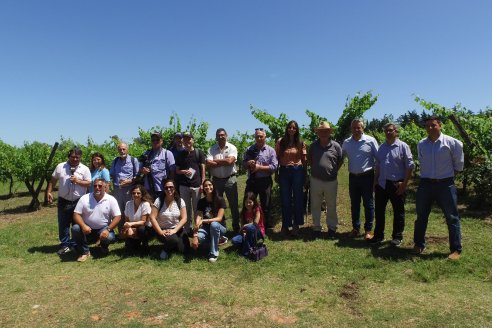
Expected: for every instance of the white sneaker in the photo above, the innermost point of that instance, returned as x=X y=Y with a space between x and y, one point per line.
x=213 y=259
x=164 y=255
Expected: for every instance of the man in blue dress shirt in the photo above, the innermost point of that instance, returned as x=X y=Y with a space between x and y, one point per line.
x=361 y=151
x=441 y=157
x=394 y=166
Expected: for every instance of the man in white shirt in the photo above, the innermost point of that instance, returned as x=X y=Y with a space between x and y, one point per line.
x=361 y=150
x=74 y=178
x=95 y=217
x=221 y=162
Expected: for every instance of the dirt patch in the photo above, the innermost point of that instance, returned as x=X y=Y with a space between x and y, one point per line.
x=350 y=291
x=436 y=240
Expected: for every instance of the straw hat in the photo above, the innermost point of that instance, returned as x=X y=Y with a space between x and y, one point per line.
x=323 y=125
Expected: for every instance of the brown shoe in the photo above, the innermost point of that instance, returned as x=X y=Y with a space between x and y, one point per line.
x=417 y=250
x=285 y=232
x=83 y=257
x=354 y=233
x=368 y=235
x=295 y=231
x=454 y=256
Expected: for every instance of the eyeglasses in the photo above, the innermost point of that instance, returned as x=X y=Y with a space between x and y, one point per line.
x=168 y=188
x=155 y=140
x=98 y=186
x=259 y=129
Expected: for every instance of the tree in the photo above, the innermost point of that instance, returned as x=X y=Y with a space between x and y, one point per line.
x=7 y=154
x=355 y=107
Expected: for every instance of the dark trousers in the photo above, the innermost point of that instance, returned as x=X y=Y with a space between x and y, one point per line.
x=263 y=188
x=361 y=187
x=397 y=202
x=65 y=220
x=445 y=194
x=178 y=242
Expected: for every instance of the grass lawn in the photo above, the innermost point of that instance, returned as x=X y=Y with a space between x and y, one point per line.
x=304 y=282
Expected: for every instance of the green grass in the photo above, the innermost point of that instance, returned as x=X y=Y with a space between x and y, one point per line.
x=302 y=283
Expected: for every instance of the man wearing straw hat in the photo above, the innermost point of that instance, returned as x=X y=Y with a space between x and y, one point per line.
x=325 y=159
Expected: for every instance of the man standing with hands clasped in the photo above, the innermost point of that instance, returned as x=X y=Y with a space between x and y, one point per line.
x=440 y=157
x=394 y=166
x=361 y=151
x=74 y=178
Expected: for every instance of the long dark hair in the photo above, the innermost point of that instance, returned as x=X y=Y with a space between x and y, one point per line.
x=176 y=196
x=284 y=142
x=252 y=197
x=103 y=162
x=216 y=199
x=145 y=195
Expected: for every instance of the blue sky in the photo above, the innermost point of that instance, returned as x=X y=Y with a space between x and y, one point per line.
x=98 y=68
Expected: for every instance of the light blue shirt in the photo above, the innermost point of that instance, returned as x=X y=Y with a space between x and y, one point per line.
x=96 y=174
x=361 y=153
x=122 y=169
x=393 y=161
x=266 y=156
x=440 y=159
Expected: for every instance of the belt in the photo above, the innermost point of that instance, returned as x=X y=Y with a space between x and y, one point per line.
x=226 y=178
x=291 y=166
x=437 y=180
x=362 y=174
x=66 y=201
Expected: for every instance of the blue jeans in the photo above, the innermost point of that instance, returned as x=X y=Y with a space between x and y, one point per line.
x=291 y=181
x=444 y=193
x=65 y=217
x=210 y=233
x=82 y=240
x=362 y=187
x=249 y=240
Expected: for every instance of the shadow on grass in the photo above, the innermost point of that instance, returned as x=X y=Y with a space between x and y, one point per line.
x=17 y=210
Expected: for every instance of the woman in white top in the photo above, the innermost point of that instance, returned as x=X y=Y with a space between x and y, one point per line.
x=168 y=217
x=137 y=212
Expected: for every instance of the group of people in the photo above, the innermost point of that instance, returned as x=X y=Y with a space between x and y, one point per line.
x=159 y=192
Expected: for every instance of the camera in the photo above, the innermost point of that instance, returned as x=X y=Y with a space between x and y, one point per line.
x=145 y=160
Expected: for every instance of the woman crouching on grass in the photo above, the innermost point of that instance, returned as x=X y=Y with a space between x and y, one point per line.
x=209 y=221
x=137 y=224
x=168 y=217
x=252 y=224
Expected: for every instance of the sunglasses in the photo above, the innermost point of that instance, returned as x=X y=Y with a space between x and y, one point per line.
x=98 y=186
x=259 y=129
x=168 y=188
x=155 y=140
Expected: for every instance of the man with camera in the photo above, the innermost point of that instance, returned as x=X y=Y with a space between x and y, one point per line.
x=261 y=162
x=95 y=217
x=221 y=162
x=74 y=178
x=157 y=164
x=124 y=170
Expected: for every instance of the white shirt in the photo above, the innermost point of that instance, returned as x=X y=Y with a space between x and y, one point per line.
x=133 y=216
x=66 y=189
x=361 y=153
x=168 y=217
x=97 y=214
x=215 y=152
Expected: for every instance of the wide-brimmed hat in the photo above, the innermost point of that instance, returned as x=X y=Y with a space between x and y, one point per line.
x=323 y=125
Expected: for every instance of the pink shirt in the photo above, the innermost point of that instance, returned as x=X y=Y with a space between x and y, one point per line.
x=249 y=217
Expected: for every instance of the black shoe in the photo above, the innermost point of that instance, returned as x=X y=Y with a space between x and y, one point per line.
x=332 y=234
x=375 y=241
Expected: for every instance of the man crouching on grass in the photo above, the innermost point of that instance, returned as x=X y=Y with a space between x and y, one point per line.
x=95 y=217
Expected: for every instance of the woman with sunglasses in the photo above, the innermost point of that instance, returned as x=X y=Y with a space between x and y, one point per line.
x=136 y=227
x=209 y=221
x=168 y=217
x=291 y=154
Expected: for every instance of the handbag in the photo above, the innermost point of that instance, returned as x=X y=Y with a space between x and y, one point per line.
x=258 y=251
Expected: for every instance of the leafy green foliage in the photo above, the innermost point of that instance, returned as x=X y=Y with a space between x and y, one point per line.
x=276 y=125
x=7 y=154
x=355 y=107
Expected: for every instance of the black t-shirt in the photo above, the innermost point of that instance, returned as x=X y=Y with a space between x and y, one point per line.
x=187 y=160
x=208 y=209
